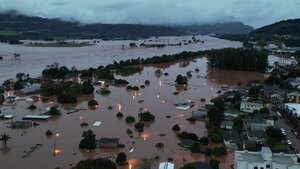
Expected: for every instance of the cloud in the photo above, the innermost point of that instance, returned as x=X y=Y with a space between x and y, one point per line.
x=253 y=12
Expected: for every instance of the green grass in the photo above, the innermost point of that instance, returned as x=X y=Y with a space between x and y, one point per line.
x=279 y=148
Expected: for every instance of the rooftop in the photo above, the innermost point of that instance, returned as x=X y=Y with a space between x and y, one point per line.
x=266 y=154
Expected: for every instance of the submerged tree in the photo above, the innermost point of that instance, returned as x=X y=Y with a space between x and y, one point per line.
x=4 y=138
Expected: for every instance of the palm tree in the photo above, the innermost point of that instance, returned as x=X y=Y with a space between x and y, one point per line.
x=4 y=138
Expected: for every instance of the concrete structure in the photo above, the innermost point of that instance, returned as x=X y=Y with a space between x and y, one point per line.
x=265 y=159
x=257 y=136
x=293 y=109
x=287 y=62
x=249 y=107
x=227 y=125
x=257 y=123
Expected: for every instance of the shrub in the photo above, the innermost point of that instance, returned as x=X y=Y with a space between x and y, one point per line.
x=135 y=88
x=186 y=135
x=68 y=99
x=147 y=82
x=121 y=158
x=176 y=127
x=32 y=107
x=49 y=133
x=139 y=126
x=159 y=145
x=119 y=114
x=129 y=132
x=129 y=88
x=97 y=163
x=130 y=119
x=93 y=103
x=84 y=124
x=146 y=116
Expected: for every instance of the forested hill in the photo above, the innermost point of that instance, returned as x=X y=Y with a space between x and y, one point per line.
x=16 y=26
x=286 y=27
x=231 y=28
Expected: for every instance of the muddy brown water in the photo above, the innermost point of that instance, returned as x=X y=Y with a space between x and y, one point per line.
x=158 y=99
x=34 y=59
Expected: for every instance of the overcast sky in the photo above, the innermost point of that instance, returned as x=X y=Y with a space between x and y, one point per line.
x=252 y=12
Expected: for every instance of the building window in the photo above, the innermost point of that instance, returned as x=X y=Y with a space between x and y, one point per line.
x=255 y=167
x=261 y=167
x=268 y=166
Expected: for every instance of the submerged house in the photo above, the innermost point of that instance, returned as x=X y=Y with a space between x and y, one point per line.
x=105 y=142
x=28 y=91
x=166 y=165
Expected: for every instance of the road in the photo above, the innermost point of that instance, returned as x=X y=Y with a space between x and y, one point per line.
x=282 y=123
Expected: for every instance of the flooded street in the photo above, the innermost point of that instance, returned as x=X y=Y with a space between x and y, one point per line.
x=158 y=99
x=34 y=59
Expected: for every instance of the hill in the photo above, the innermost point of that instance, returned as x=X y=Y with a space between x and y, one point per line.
x=286 y=27
x=16 y=26
x=230 y=28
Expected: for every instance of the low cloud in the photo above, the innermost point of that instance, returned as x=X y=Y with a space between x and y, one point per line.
x=253 y=12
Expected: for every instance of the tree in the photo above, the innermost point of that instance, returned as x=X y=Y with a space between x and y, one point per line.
x=204 y=140
x=146 y=116
x=181 y=80
x=20 y=76
x=196 y=147
x=146 y=163
x=121 y=158
x=4 y=138
x=89 y=140
x=214 y=164
x=130 y=119
x=99 y=163
x=215 y=116
x=176 y=127
x=275 y=134
x=254 y=91
x=93 y=102
x=18 y=86
x=264 y=110
x=87 y=87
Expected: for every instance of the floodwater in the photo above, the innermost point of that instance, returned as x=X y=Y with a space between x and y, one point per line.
x=158 y=99
x=34 y=59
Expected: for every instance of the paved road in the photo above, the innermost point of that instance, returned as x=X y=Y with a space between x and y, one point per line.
x=282 y=123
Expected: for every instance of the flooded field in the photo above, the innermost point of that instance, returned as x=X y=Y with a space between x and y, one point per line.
x=158 y=98
x=34 y=59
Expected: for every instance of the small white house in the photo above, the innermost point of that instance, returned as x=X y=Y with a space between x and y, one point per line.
x=249 y=107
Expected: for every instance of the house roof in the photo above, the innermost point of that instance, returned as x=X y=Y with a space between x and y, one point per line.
x=105 y=140
x=30 y=89
x=254 y=120
x=166 y=165
x=257 y=133
x=186 y=142
x=231 y=135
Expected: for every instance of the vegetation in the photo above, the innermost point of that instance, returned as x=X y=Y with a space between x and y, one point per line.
x=88 y=141
x=121 y=82
x=121 y=158
x=119 y=114
x=176 y=127
x=146 y=116
x=99 y=163
x=238 y=59
x=130 y=119
x=187 y=135
x=181 y=80
x=159 y=145
x=31 y=107
x=214 y=164
x=93 y=103
x=66 y=98
x=196 y=147
x=139 y=126
x=216 y=151
x=49 y=133
x=204 y=141
x=4 y=138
